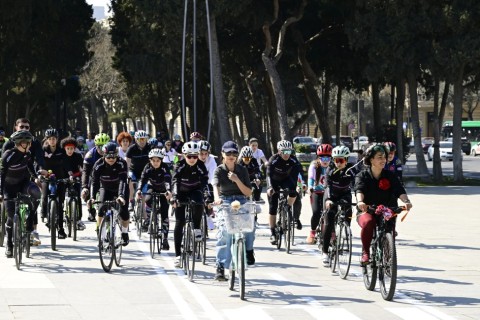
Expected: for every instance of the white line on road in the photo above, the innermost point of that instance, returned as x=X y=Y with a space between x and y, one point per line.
x=415 y=313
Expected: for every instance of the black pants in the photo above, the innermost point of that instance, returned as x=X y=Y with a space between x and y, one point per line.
x=163 y=209
x=61 y=188
x=111 y=195
x=330 y=218
x=316 y=199
x=257 y=190
x=197 y=197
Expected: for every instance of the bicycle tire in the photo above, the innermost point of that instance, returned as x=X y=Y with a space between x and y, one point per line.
x=233 y=265
x=117 y=243
x=333 y=251
x=370 y=271
x=17 y=241
x=241 y=268
x=53 y=223
x=160 y=234
x=191 y=253
x=288 y=232
x=105 y=249
x=153 y=230
x=344 y=250
x=67 y=218
x=3 y=220
x=74 y=217
x=387 y=272
x=278 y=229
x=202 y=245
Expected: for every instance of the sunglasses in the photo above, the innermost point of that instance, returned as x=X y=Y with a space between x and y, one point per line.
x=110 y=156
x=339 y=160
x=168 y=145
x=287 y=151
x=24 y=127
x=191 y=156
x=246 y=158
x=325 y=159
x=231 y=154
x=142 y=139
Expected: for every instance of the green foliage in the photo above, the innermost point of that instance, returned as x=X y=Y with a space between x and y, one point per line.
x=301 y=148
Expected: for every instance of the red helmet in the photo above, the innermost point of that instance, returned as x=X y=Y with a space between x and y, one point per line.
x=324 y=150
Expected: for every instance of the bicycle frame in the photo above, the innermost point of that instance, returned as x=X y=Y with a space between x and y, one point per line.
x=109 y=236
x=285 y=223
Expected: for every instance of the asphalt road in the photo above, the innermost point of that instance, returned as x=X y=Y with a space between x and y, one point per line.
x=438 y=278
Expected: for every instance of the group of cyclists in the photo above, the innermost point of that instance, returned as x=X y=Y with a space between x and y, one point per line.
x=133 y=166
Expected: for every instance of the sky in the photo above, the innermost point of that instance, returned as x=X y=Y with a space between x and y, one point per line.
x=99 y=2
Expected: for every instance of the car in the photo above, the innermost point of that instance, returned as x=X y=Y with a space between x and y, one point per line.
x=475 y=149
x=344 y=141
x=360 y=142
x=306 y=140
x=446 y=151
x=466 y=145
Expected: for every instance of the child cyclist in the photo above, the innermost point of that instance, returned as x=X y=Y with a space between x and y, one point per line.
x=109 y=179
x=189 y=181
x=393 y=164
x=339 y=181
x=317 y=182
x=156 y=176
x=72 y=164
x=247 y=160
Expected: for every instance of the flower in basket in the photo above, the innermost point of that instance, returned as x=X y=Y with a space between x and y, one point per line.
x=384 y=184
x=235 y=205
x=386 y=212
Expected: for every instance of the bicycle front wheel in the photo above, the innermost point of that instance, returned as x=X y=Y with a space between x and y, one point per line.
x=344 y=250
x=202 y=245
x=241 y=267
x=117 y=243
x=74 y=213
x=3 y=220
x=387 y=274
x=370 y=271
x=190 y=252
x=53 y=223
x=17 y=241
x=67 y=218
x=138 y=213
x=153 y=230
x=105 y=249
x=333 y=252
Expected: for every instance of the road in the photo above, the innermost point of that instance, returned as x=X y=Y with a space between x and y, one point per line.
x=470 y=165
x=439 y=276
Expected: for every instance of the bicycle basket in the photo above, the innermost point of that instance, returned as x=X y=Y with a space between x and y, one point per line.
x=241 y=220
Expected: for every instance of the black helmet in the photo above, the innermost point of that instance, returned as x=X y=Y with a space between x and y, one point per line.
x=110 y=149
x=21 y=136
x=51 y=133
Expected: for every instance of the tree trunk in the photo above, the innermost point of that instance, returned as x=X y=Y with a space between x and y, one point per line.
x=457 y=126
x=377 y=123
x=437 y=168
x=400 y=103
x=339 y=115
x=254 y=115
x=274 y=129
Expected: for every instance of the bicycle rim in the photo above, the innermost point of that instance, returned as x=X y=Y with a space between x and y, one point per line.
x=388 y=268
x=370 y=272
x=3 y=220
x=104 y=246
x=53 y=224
x=344 y=250
x=17 y=241
x=74 y=217
x=117 y=242
x=241 y=268
x=191 y=253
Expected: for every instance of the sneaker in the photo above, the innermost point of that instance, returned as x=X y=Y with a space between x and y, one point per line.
x=145 y=225
x=9 y=252
x=365 y=258
x=35 y=239
x=299 y=224
x=125 y=239
x=165 y=245
x=81 y=226
x=130 y=206
x=91 y=215
x=250 y=258
x=325 y=259
x=176 y=262
x=311 y=237
x=61 y=234
x=273 y=240
x=220 y=274
x=198 y=235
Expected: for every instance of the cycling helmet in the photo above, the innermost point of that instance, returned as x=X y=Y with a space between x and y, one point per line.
x=2 y=133
x=51 y=133
x=177 y=137
x=390 y=146
x=324 y=150
x=141 y=134
x=153 y=142
x=204 y=145
x=68 y=141
x=101 y=139
x=340 y=152
x=191 y=147
x=110 y=148
x=284 y=144
x=195 y=135
x=20 y=136
x=80 y=139
x=156 y=152
x=246 y=152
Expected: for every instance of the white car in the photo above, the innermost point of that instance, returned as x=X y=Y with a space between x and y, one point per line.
x=446 y=151
x=360 y=142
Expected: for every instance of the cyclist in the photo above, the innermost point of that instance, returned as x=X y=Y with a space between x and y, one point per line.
x=156 y=177
x=81 y=146
x=170 y=154
x=91 y=157
x=231 y=183
x=73 y=166
x=247 y=160
x=54 y=163
x=189 y=180
x=257 y=153
x=154 y=143
x=16 y=168
x=137 y=158
x=124 y=139
x=196 y=136
x=211 y=165
x=177 y=143
x=394 y=164
x=109 y=179
x=317 y=173
x=375 y=186
x=282 y=173
x=339 y=181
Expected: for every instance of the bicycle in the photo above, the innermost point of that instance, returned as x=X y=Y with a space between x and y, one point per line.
x=238 y=221
x=188 y=254
x=110 y=241
x=72 y=207
x=155 y=228
x=285 y=226
x=3 y=221
x=383 y=254
x=52 y=206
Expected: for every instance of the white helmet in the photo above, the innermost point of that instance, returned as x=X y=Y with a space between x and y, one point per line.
x=141 y=134
x=284 y=144
x=156 y=152
x=340 y=152
x=191 y=147
x=246 y=152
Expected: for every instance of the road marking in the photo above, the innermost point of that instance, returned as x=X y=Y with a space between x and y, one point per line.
x=418 y=313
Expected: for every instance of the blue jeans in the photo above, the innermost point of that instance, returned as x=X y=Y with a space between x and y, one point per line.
x=224 y=240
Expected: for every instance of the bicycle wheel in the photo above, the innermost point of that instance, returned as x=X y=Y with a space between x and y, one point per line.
x=138 y=217
x=153 y=230
x=17 y=241
x=117 y=243
x=279 y=230
x=233 y=264
x=202 y=245
x=387 y=272
x=74 y=217
x=241 y=267
x=344 y=250
x=105 y=249
x=67 y=218
x=53 y=223
x=290 y=232
x=370 y=271
x=3 y=220
x=191 y=252
x=332 y=252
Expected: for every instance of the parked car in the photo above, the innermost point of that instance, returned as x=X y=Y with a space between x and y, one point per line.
x=360 y=142
x=475 y=149
x=346 y=141
x=466 y=145
x=446 y=151
x=306 y=140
